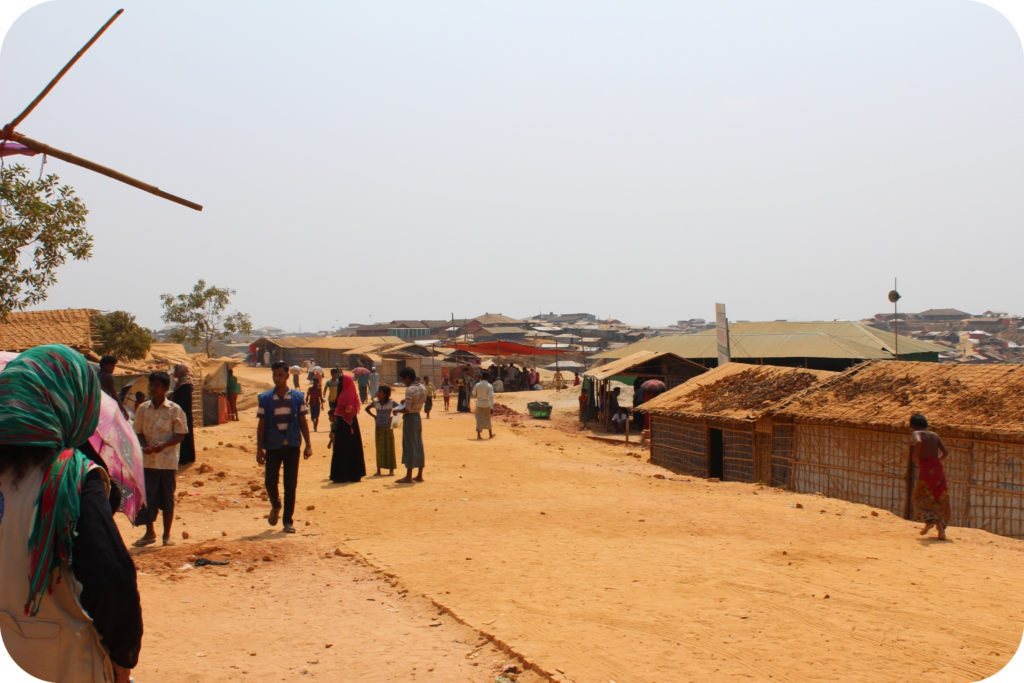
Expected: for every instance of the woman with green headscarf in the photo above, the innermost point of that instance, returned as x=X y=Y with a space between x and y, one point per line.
x=79 y=625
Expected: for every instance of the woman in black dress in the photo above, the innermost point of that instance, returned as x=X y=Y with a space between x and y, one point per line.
x=183 y=397
x=347 y=462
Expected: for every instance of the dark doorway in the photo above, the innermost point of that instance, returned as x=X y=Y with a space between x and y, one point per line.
x=715 y=452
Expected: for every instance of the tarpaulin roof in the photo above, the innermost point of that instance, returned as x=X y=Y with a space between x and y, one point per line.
x=506 y=348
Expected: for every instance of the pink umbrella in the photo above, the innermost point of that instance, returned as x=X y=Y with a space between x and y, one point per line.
x=118 y=447
x=116 y=443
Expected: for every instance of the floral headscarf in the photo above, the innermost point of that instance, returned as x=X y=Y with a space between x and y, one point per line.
x=50 y=398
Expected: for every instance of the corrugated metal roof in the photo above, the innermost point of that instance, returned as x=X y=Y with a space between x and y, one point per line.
x=334 y=343
x=496 y=319
x=737 y=391
x=625 y=366
x=504 y=329
x=841 y=340
x=851 y=330
x=617 y=367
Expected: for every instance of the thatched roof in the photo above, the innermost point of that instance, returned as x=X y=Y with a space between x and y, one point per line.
x=987 y=397
x=74 y=327
x=737 y=391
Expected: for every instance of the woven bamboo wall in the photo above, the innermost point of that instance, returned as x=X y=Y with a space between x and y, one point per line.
x=782 y=455
x=738 y=453
x=872 y=466
x=995 y=499
x=860 y=466
x=679 y=445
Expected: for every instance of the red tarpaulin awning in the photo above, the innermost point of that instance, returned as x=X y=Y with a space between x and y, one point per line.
x=505 y=348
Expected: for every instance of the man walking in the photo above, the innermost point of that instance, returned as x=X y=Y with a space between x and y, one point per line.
x=483 y=392
x=281 y=429
x=374 y=382
x=160 y=425
x=363 y=382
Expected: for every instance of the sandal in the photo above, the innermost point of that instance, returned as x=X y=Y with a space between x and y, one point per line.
x=144 y=541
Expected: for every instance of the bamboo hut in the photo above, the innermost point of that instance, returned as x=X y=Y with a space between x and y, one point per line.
x=849 y=438
x=718 y=424
x=328 y=352
x=637 y=368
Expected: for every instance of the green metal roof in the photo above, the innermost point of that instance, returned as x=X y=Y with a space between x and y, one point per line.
x=842 y=340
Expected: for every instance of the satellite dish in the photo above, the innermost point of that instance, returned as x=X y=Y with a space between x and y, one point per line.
x=894 y=296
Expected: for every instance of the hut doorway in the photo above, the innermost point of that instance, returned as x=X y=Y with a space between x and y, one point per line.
x=715 y=453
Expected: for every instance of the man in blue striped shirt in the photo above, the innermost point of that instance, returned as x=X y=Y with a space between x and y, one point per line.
x=281 y=429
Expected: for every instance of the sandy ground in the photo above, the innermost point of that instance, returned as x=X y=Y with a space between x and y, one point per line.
x=569 y=557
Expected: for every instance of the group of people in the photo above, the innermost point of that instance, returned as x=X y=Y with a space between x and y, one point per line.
x=282 y=429
x=57 y=499
x=512 y=378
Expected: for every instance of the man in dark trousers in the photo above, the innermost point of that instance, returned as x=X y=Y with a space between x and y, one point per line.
x=281 y=429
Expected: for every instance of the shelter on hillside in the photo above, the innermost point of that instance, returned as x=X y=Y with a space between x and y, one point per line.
x=849 y=438
x=74 y=327
x=718 y=423
x=328 y=352
x=817 y=345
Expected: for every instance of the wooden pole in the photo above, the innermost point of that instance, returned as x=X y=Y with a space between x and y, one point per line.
x=896 y=322
x=103 y=170
x=9 y=128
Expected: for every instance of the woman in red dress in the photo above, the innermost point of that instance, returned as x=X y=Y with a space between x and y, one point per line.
x=931 y=497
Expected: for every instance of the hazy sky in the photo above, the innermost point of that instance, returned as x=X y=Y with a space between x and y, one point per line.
x=643 y=160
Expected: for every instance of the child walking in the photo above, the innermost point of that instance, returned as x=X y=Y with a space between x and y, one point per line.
x=315 y=401
x=446 y=392
x=429 y=404
x=384 y=435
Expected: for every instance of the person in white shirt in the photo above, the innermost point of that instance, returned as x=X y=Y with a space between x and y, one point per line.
x=160 y=425
x=619 y=421
x=483 y=392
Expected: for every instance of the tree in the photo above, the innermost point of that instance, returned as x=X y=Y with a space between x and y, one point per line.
x=42 y=225
x=201 y=315
x=119 y=335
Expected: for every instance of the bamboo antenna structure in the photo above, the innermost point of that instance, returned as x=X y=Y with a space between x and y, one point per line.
x=103 y=170
x=8 y=133
x=9 y=128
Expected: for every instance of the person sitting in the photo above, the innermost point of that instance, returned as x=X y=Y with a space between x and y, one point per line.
x=619 y=421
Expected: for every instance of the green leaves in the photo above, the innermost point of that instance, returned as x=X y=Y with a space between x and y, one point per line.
x=119 y=335
x=42 y=225
x=201 y=315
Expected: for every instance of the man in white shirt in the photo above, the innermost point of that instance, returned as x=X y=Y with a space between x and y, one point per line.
x=483 y=392
x=160 y=425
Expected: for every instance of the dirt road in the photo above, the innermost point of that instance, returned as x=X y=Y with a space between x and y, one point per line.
x=569 y=555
